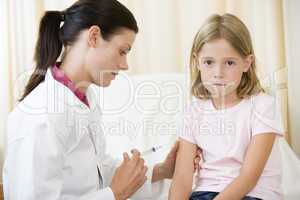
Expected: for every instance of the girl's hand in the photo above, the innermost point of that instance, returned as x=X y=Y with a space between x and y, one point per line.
x=198 y=160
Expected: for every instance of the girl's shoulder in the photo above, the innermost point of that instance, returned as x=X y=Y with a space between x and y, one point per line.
x=263 y=100
x=265 y=105
x=263 y=96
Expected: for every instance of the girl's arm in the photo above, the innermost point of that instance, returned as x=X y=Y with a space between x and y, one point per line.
x=181 y=186
x=256 y=157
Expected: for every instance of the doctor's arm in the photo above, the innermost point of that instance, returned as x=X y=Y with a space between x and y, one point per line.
x=256 y=157
x=34 y=163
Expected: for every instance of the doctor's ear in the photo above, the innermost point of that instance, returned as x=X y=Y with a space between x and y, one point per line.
x=94 y=35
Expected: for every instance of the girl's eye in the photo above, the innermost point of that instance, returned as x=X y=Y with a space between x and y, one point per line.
x=207 y=62
x=230 y=63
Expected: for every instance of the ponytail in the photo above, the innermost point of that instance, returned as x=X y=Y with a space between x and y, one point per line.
x=47 y=50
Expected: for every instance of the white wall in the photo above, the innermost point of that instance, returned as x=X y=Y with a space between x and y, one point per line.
x=292 y=33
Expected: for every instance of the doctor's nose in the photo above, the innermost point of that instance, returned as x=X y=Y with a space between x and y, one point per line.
x=123 y=65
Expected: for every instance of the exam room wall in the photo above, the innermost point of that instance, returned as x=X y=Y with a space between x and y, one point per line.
x=292 y=30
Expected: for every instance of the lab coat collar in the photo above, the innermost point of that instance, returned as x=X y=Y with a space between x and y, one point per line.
x=59 y=92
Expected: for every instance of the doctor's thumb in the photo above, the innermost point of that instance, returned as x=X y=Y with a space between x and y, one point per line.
x=126 y=157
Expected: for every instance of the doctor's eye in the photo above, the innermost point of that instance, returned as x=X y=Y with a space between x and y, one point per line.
x=123 y=53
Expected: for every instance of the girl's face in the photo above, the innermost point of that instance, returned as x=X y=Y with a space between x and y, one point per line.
x=221 y=67
x=106 y=58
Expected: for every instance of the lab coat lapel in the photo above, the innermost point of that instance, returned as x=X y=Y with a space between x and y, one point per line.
x=70 y=115
x=95 y=125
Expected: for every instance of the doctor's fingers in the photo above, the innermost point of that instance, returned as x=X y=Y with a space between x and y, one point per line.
x=136 y=166
x=126 y=157
x=135 y=155
x=137 y=182
x=140 y=173
x=143 y=180
x=140 y=164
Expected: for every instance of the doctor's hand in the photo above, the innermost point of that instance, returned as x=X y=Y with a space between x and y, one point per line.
x=167 y=167
x=129 y=176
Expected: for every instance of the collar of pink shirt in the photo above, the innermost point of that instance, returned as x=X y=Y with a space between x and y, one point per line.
x=61 y=77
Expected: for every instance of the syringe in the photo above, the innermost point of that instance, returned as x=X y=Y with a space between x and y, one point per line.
x=152 y=150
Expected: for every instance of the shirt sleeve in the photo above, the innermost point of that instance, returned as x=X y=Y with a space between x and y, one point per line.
x=187 y=125
x=266 y=116
x=27 y=175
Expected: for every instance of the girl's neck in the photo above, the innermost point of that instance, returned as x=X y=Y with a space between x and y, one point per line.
x=226 y=101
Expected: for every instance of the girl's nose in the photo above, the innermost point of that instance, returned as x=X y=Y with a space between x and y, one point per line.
x=219 y=72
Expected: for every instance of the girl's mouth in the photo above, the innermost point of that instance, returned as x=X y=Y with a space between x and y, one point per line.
x=220 y=84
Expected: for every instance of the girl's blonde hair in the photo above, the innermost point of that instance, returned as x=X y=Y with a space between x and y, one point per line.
x=232 y=29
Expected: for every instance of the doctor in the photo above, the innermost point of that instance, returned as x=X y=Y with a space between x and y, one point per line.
x=56 y=147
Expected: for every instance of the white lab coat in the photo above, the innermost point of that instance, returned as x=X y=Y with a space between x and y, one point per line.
x=55 y=144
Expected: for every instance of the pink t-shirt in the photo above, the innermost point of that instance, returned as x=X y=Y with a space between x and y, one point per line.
x=224 y=136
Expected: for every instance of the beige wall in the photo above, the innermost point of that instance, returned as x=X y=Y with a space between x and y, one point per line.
x=292 y=26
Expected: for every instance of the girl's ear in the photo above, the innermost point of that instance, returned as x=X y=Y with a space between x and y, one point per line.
x=94 y=35
x=196 y=60
x=248 y=62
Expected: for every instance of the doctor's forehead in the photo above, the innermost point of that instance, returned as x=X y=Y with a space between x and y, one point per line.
x=124 y=37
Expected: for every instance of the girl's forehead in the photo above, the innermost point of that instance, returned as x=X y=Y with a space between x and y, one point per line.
x=218 y=48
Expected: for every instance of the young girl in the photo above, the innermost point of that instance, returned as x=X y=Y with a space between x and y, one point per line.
x=232 y=120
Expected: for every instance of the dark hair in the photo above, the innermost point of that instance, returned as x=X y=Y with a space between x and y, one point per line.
x=109 y=15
